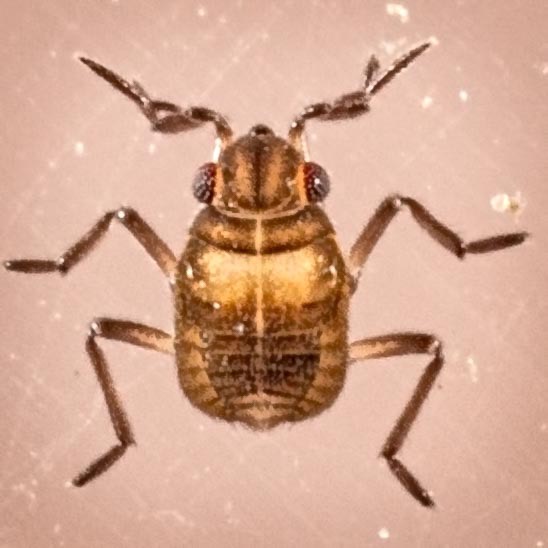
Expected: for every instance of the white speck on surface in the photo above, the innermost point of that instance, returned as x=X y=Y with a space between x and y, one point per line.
x=121 y=214
x=472 y=369
x=201 y=11
x=176 y=516
x=427 y=101
x=398 y=10
x=500 y=202
x=384 y=533
x=239 y=328
x=216 y=305
x=57 y=316
x=79 y=148
x=189 y=272
x=24 y=490
x=539 y=544
x=228 y=508
x=463 y=95
x=201 y=284
x=503 y=202
x=543 y=68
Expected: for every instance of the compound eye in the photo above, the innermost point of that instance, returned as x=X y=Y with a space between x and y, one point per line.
x=203 y=185
x=316 y=182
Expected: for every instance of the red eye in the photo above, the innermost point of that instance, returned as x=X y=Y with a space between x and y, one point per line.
x=203 y=185
x=316 y=182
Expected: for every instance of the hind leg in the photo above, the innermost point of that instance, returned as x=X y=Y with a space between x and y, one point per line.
x=128 y=332
x=401 y=344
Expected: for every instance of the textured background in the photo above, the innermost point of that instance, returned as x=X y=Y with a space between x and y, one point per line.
x=468 y=122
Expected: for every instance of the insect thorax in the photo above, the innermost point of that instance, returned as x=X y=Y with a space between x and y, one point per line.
x=261 y=316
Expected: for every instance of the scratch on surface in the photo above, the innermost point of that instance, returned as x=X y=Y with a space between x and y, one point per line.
x=161 y=515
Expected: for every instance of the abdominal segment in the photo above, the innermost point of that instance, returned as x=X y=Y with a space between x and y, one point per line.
x=261 y=338
x=262 y=381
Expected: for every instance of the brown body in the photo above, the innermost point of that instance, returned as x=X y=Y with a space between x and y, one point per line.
x=262 y=297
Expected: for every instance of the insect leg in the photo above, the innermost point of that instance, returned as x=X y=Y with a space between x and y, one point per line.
x=145 y=235
x=388 y=209
x=132 y=333
x=400 y=344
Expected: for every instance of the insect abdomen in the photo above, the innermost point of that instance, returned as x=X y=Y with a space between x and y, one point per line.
x=261 y=337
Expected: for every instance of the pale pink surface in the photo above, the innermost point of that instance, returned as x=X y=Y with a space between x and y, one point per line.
x=467 y=122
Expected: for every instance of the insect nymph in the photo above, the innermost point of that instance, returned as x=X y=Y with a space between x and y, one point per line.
x=261 y=291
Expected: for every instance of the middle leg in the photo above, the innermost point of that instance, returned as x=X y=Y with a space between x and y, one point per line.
x=400 y=344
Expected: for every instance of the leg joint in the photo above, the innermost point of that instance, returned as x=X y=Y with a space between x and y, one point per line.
x=395 y=201
x=124 y=214
x=435 y=346
x=61 y=265
x=95 y=329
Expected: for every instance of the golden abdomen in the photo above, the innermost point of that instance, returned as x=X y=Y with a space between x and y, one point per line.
x=261 y=333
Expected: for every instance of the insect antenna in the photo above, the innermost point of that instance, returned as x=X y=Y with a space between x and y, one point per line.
x=356 y=103
x=372 y=87
x=164 y=116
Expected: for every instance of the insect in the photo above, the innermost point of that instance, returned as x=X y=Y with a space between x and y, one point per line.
x=261 y=291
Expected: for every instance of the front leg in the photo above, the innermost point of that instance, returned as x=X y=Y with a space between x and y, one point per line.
x=144 y=234
x=388 y=209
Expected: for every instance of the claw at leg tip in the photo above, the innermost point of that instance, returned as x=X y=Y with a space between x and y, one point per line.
x=429 y=504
